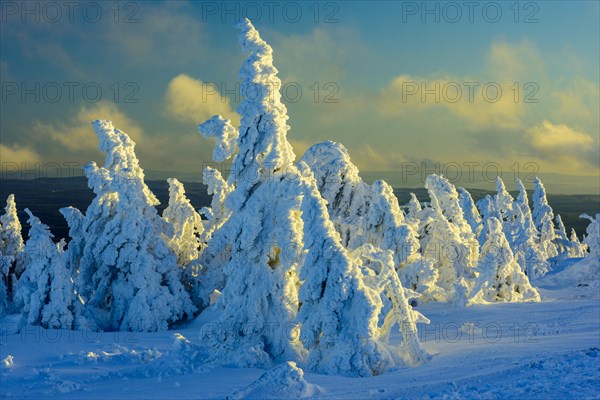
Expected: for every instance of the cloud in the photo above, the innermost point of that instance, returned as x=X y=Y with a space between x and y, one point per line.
x=561 y=142
x=165 y=34
x=580 y=100
x=320 y=55
x=191 y=100
x=76 y=132
x=18 y=154
x=477 y=102
x=515 y=62
x=488 y=98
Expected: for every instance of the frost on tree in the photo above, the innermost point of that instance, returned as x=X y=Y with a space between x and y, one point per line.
x=11 y=248
x=340 y=185
x=128 y=276
x=186 y=237
x=290 y=290
x=503 y=204
x=44 y=290
x=448 y=204
x=592 y=238
x=500 y=276
x=361 y=213
x=451 y=255
x=413 y=213
x=470 y=212
x=578 y=249
x=525 y=245
x=225 y=133
x=257 y=248
x=543 y=217
x=219 y=189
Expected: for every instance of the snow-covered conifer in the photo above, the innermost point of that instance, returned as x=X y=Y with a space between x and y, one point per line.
x=592 y=238
x=500 y=276
x=128 y=276
x=44 y=290
x=525 y=244
x=225 y=133
x=453 y=257
x=186 y=223
x=543 y=217
x=578 y=249
x=470 y=211
x=448 y=204
x=11 y=257
x=413 y=212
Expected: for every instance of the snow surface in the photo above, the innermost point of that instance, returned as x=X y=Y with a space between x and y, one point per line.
x=546 y=350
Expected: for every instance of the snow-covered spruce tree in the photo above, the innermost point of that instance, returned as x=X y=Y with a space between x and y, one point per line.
x=578 y=249
x=44 y=290
x=526 y=238
x=186 y=222
x=361 y=213
x=448 y=204
x=452 y=256
x=347 y=196
x=217 y=213
x=562 y=241
x=128 y=276
x=487 y=210
x=278 y=228
x=470 y=212
x=186 y=237
x=504 y=206
x=543 y=216
x=413 y=212
x=11 y=254
x=256 y=251
x=500 y=276
x=592 y=238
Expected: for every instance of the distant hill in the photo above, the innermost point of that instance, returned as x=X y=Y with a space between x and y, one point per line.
x=45 y=196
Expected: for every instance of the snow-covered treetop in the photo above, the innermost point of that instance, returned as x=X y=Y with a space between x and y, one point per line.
x=337 y=178
x=11 y=241
x=263 y=146
x=38 y=229
x=121 y=167
x=593 y=234
x=225 y=133
x=503 y=199
x=540 y=203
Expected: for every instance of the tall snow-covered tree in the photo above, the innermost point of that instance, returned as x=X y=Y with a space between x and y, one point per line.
x=504 y=206
x=219 y=189
x=525 y=244
x=413 y=212
x=44 y=290
x=11 y=253
x=487 y=210
x=543 y=217
x=186 y=238
x=500 y=276
x=563 y=243
x=255 y=253
x=469 y=210
x=347 y=195
x=290 y=290
x=578 y=249
x=128 y=276
x=592 y=238
x=361 y=213
x=451 y=254
x=448 y=204
x=186 y=223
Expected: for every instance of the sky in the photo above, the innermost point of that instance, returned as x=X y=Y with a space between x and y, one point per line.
x=467 y=89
